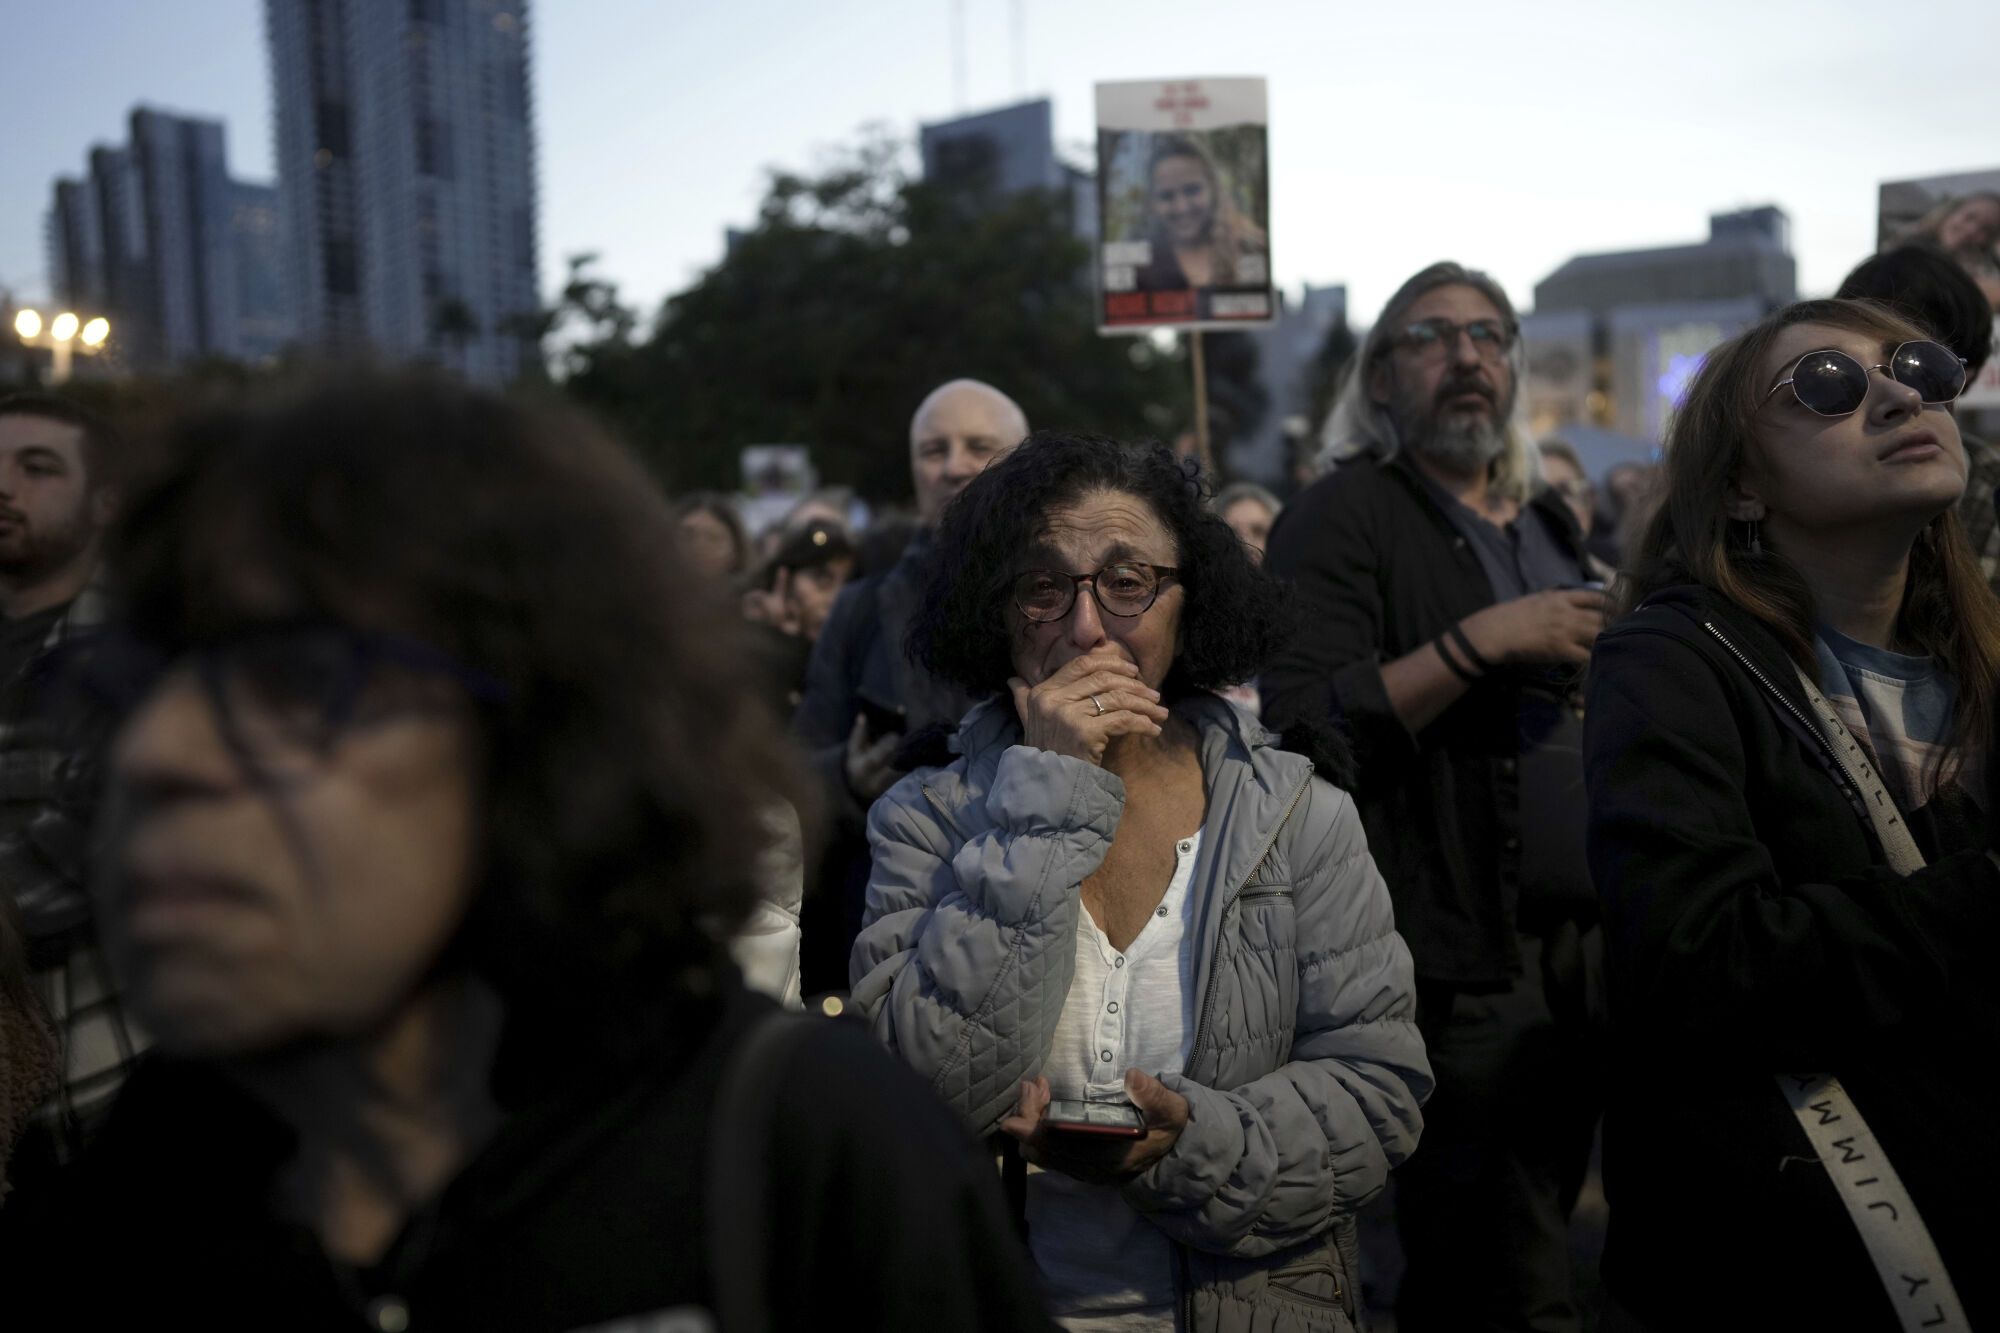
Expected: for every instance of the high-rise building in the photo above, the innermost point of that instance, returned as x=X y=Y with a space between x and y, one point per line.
x=1007 y=151
x=185 y=203
x=151 y=241
x=76 y=246
x=405 y=150
x=263 y=311
x=114 y=188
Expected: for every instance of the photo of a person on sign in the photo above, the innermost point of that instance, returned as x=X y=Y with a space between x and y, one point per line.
x=1200 y=237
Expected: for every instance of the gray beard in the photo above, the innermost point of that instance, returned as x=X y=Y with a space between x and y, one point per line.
x=1461 y=450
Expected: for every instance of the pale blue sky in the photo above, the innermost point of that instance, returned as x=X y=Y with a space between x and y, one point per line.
x=1509 y=136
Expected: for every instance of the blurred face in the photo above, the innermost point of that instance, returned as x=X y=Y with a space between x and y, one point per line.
x=1629 y=482
x=1893 y=461
x=303 y=901
x=1183 y=199
x=1572 y=485
x=710 y=545
x=1102 y=528
x=49 y=517
x=1251 y=522
x=813 y=590
x=957 y=432
x=1974 y=226
x=1450 y=400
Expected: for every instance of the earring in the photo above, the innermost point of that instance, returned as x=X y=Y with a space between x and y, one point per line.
x=1756 y=538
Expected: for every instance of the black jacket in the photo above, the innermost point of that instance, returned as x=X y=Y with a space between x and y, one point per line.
x=587 y=1208
x=858 y=658
x=1753 y=926
x=1379 y=571
x=859 y=655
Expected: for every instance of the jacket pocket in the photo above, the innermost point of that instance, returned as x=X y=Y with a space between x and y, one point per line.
x=1317 y=1282
x=1264 y=918
x=1251 y=895
x=1302 y=1290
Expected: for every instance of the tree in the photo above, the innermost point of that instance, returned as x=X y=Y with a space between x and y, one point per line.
x=857 y=291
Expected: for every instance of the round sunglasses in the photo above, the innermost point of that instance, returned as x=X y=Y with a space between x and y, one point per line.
x=1833 y=384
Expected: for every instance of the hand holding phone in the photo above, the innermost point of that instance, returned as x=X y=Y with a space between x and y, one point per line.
x=881 y=719
x=1120 y=1120
x=1092 y=1141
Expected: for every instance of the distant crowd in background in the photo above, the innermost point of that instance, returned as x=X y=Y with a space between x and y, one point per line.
x=419 y=836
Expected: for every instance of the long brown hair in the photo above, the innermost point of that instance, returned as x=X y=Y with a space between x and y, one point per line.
x=1233 y=233
x=1948 y=610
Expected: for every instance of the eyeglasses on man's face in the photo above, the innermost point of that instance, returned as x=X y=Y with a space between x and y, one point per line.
x=1125 y=589
x=1431 y=339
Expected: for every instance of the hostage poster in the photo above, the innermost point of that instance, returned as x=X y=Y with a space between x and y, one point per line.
x=1184 y=192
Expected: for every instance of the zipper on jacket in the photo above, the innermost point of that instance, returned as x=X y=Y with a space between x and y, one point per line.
x=1254 y=894
x=1208 y=997
x=1208 y=1000
x=1853 y=783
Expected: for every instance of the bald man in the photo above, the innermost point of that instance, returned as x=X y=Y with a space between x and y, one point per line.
x=858 y=673
x=958 y=429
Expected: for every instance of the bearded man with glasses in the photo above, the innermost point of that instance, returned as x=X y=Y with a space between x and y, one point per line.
x=1445 y=620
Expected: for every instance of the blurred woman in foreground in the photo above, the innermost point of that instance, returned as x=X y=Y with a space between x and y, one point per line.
x=429 y=826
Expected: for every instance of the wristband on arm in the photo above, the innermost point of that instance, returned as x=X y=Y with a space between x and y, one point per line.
x=1457 y=667
x=1479 y=664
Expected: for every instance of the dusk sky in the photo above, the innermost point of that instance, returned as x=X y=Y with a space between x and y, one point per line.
x=1506 y=136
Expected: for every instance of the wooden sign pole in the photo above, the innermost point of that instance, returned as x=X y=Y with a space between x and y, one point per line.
x=1201 y=409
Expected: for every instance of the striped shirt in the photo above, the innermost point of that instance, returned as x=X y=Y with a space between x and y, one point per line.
x=1898 y=705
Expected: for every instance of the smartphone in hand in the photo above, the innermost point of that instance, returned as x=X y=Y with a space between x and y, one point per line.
x=881 y=719
x=1118 y=1120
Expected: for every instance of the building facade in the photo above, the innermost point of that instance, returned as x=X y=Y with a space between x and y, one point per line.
x=405 y=150
x=184 y=194
x=1010 y=150
x=263 y=308
x=76 y=245
x=1614 y=338
x=150 y=241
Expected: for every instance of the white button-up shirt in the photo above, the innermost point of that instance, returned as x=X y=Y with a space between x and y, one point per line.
x=1103 y=1265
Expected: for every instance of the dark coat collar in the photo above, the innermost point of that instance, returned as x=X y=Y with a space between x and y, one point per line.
x=1545 y=502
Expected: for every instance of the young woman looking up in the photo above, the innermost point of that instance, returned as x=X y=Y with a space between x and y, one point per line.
x=1786 y=739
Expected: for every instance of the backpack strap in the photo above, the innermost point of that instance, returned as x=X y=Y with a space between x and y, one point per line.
x=737 y=1231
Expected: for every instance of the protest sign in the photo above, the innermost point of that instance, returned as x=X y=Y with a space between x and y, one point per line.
x=1184 y=193
x=1959 y=214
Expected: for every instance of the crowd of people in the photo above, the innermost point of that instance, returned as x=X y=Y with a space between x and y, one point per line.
x=429 y=915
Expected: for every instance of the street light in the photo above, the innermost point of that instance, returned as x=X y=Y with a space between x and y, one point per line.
x=61 y=337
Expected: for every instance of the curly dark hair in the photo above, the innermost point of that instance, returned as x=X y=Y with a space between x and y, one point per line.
x=1234 y=616
x=625 y=768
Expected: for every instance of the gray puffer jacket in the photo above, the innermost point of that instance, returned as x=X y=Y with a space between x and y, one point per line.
x=1305 y=1072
